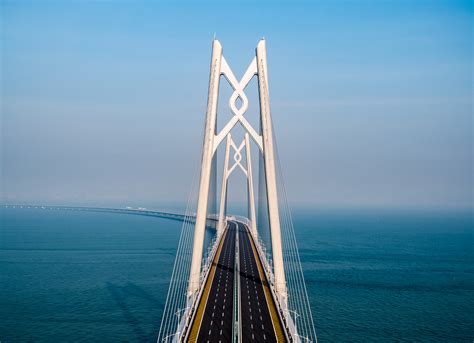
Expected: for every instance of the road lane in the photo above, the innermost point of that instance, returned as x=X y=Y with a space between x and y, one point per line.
x=217 y=321
x=257 y=324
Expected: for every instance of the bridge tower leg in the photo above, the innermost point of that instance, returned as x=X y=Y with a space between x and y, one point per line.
x=270 y=174
x=251 y=195
x=223 y=199
x=206 y=166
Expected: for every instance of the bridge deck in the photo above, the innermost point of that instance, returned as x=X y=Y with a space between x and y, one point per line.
x=260 y=321
x=214 y=319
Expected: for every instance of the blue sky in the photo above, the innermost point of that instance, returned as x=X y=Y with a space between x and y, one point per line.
x=103 y=103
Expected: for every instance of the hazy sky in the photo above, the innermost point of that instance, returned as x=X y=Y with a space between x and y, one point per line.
x=103 y=103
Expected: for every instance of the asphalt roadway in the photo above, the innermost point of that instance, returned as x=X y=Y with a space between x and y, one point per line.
x=217 y=321
x=255 y=315
x=256 y=323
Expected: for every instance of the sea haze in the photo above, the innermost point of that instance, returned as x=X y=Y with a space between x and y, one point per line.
x=371 y=275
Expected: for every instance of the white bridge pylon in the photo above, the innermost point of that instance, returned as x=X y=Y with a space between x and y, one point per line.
x=263 y=138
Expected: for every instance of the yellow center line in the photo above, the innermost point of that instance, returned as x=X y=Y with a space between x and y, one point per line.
x=193 y=336
x=280 y=335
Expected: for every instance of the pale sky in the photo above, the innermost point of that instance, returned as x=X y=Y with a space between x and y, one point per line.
x=103 y=103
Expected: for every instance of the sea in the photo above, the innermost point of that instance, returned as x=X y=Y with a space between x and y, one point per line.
x=371 y=275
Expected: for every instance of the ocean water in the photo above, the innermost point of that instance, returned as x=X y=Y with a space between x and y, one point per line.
x=372 y=276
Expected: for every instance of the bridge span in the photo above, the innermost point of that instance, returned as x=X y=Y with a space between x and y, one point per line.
x=211 y=221
x=236 y=295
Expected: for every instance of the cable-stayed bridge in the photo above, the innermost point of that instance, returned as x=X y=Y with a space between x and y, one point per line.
x=237 y=278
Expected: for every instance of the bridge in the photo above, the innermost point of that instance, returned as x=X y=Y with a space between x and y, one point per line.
x=136 y=211
x=237 y=278
x=128 y=210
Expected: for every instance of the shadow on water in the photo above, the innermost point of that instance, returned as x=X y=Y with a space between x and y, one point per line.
x=130 y=290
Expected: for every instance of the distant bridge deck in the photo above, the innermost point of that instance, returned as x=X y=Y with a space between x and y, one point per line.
x=257 y=318
x=134 y=211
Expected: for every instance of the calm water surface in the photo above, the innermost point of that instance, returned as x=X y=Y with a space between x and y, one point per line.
x=371 y=276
